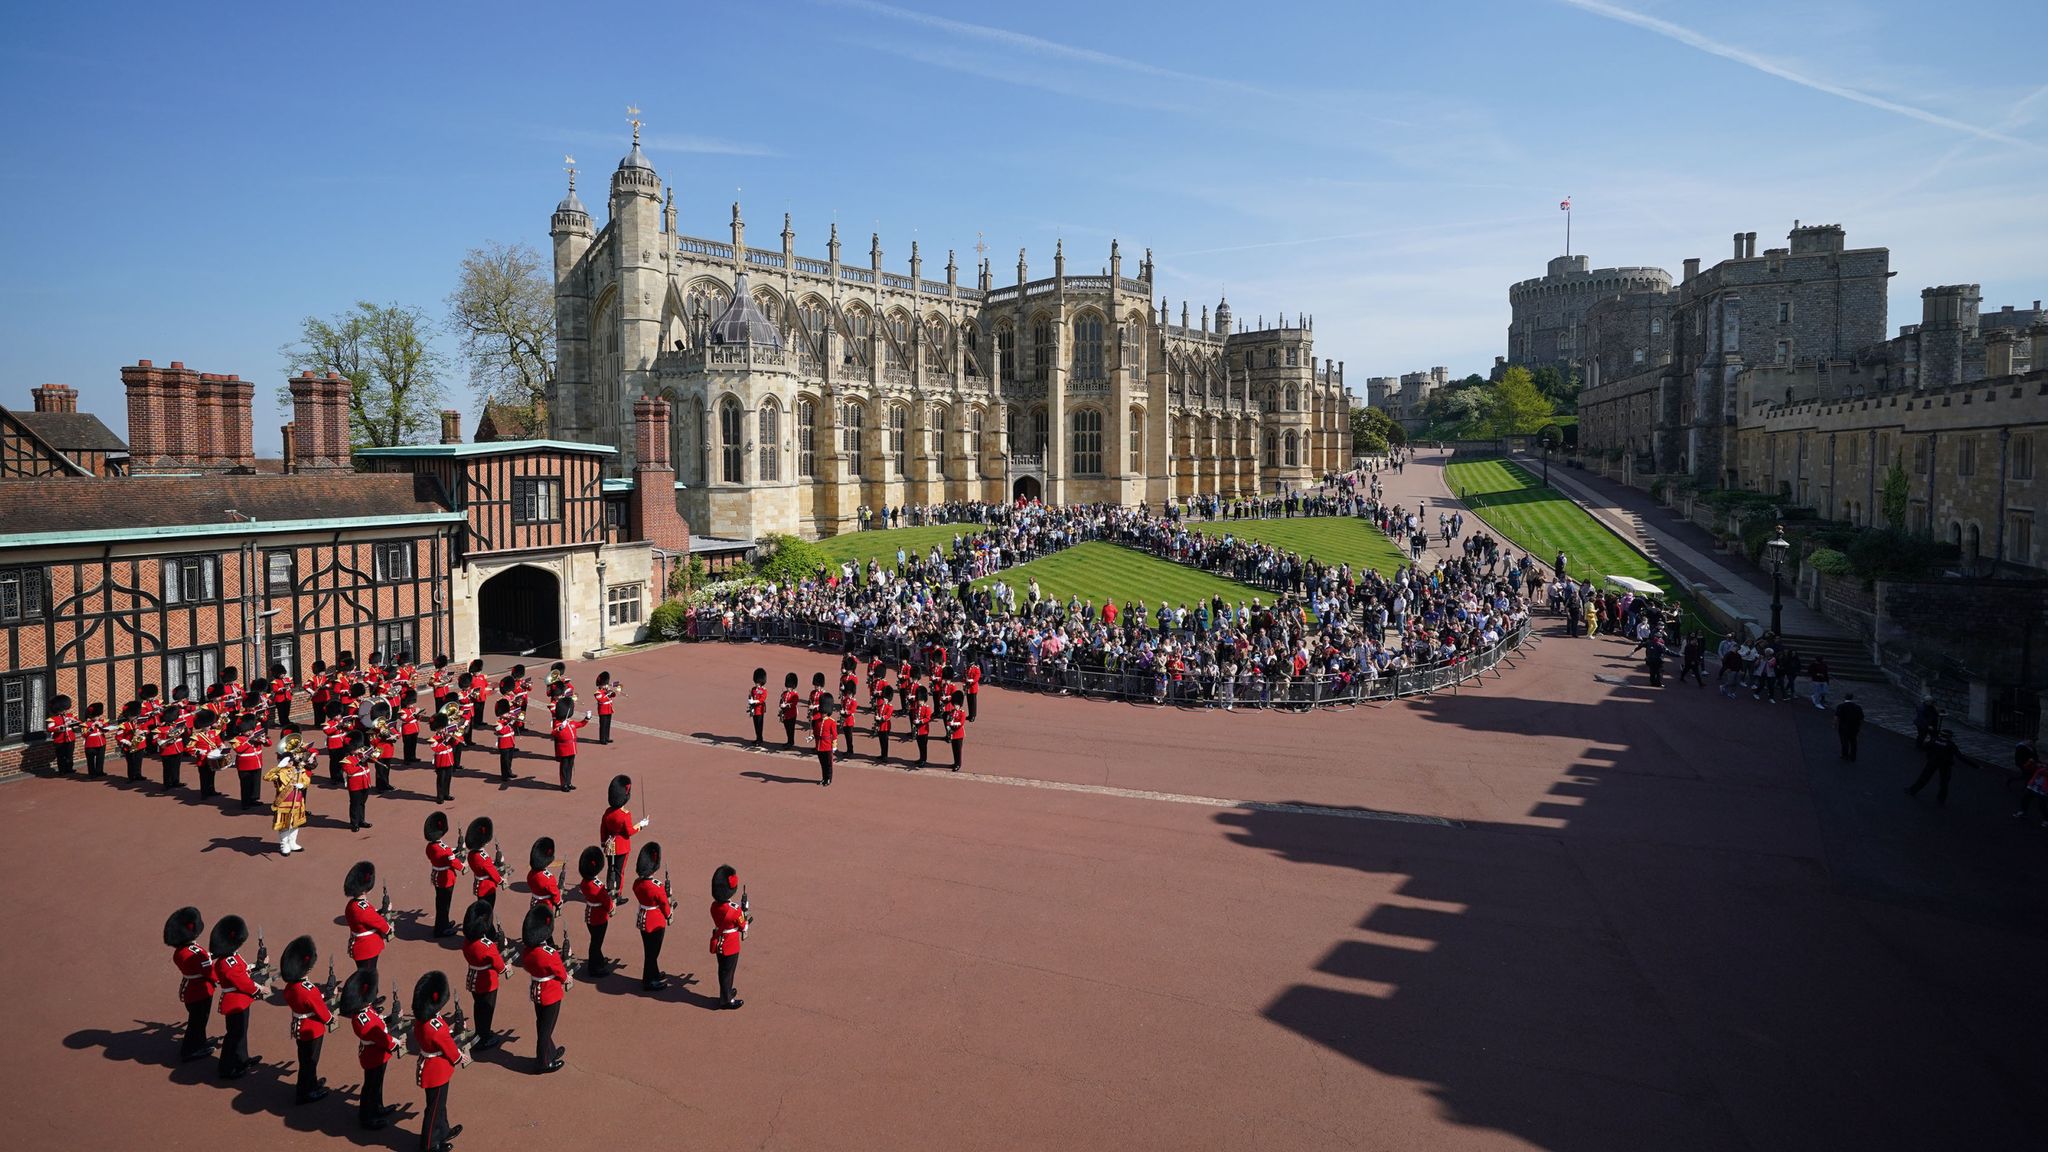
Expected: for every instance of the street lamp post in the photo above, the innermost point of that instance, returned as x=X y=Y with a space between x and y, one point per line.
x=603 y=607
x=1776 y=549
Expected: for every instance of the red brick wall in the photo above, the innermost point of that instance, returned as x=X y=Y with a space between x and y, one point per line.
x=654 y=515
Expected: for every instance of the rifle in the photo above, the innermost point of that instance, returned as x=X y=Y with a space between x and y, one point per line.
x=332 y=985
x=568 y=953
x=665 y=889
x=746 y=912
x=497 y=858
x=384 y=908
x=458 y=1022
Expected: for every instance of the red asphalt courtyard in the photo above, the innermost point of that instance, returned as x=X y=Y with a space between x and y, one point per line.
x=1557 y=911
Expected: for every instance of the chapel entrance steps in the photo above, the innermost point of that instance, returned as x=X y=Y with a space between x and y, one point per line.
x=1847 y=657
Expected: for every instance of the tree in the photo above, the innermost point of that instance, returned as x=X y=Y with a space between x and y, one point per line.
x=1454 y=413
x=503 y=313
x=395 y=374
x=1514 y=407
x=1562 y=390
x=1372 y=430
x=1894 y=497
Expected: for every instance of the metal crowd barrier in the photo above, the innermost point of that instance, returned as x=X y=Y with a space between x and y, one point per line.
x=1154 y=686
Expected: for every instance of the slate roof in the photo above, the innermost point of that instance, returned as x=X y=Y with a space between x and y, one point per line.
x=128 y=505
x=71 y=431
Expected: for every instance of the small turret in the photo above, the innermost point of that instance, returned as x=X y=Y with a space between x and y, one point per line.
x=1222 y=316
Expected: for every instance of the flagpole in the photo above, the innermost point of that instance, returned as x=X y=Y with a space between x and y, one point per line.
x=1567 y=233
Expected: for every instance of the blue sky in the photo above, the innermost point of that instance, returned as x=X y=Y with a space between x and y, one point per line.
x=188 y=186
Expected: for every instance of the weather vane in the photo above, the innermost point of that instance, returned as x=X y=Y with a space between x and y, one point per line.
x=569 y=166
x=980 y=244
x=633 y=115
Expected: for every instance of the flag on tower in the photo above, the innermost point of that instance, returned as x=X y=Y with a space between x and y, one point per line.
x=1565 y=205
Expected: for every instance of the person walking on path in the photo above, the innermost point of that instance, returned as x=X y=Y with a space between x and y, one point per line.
x=1941 y=758
x=1926 y=722
x=1848 y=725
x=2036 y=794
x=1817 y=672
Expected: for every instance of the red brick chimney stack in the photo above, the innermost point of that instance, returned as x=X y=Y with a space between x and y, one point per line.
x=654 y=515
x=320 y=416
x=55 y=398
x=180 y=420
x=451 y=426
x=290 y=433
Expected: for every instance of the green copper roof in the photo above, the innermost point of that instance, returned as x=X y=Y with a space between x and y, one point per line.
x=492 y=448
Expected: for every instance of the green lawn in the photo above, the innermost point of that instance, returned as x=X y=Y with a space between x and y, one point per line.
x=1098 y=571
x=1331 y=539
x=881 y=546
x=1541 y=521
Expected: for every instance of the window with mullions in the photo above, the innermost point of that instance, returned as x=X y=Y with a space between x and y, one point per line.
x=851 y=418
x=731 y=441
x=536 y=500
x=1088 y=347
x=191 y=579
x=23 y=705
x=899 y=455
x=282 y=650
x=396 y=637
x=770 y=429
x=21 y=594
x=806 y=437
x=622 y=604
x=194 y=669
x=1087 y=442
x=277 y=571
x=1041 y=350
x=393 y=561
x=939 y=438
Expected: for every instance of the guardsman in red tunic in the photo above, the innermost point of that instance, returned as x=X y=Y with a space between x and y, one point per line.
x=310 y=1014
x=541 y=885
x=383 y=741
x=443 y=866
x=956 y=724
x=973 y=690
x=281 y=689
x=442 y=682
x=170 y=749
x=605 y=696
x=566 y=727
x=439 y=1056
x=848 y=708
x=877 y=672
x=204 y=746
x=93 y=739
x=597 y=909
x=757 y=701
x=787 y=710
x=409 y=723
x=551 y=981
x=367 y=929
x=237 y=993
x=375 y=1046
x=476 y=838
x=486 y=964
x=359 y=767
x=195 y=979
x=921 y=720
x=816 y=698
x=320 y=690
x=849 y=676
x=522 y=691
x=131 y=737
x=248 y=748
x=656 y=909
x=336 y=731
x=885 y=718
x=447 y=744
x=728 y=928
x=824 y=734
x=615 y=830
x=508 y=743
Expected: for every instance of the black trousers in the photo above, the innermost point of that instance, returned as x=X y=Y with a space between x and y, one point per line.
x=412 y=748
x=650 y=950
x=923 y=742
x=604 y=728
x=444 y=784
x=280 y=713
x=486 y=1005
x=728 y=967
x=383 y=775
x=248 y=782
x=67 y=753
x=309 y=1066
x=757 y=727
x=368 y=964
x=334 y=765
x=595 y=964
x=207 y=769
x=1926 y=774
x=568 y=766
x=882 y=736
x=196 y=1015
x=173 y=769
x=544 y=1017
x=234 y=1042
x=614 y=873
x=357 y=802
x=825 y=765
x=505 y=762
x=956 y=753
x=847 y=731
x=434 y=1119
x=134 y=764
x=1849 y=734
x=789 y=733
x=370 y=1104
x=96 y=761
x=442 y=898
x=973 y=705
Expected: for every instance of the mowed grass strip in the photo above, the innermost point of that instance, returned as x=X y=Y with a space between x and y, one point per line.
x=881 y=546
x=1541 y=521
x=1330 y=539
x=1098 y=571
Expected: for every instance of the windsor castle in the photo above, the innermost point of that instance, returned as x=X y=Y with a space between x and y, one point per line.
x=804 y=389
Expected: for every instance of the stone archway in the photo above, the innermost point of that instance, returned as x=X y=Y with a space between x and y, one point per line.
x=1026 y=488
x=519 y=612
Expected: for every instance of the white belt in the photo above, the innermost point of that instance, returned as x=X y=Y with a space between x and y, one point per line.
x=482 y=967
x=302 y=1016
x=726 y=931
x=650 y=908
x=440 y=868
x=360 y=935
x=544 y=979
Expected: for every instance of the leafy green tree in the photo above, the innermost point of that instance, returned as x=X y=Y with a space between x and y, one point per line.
x=1372 y=430
x=503 y=313
x=787 y=559
x=1562 y=390
x=1514 y=406
x=1893 y=500
x=394 y=372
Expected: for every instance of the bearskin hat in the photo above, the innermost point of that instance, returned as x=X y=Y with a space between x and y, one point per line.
x=440 y=660
x=760 y=675
x=362 y=876
x=724 y=883
x=539 y=927
x=825 y=703
x=649 y=860
x=183 y=927
x=479 y=833
x=542 y=854
x=229 y=934
x=817 y=679
x=888 y=691
x=518 y=673
x=95 y=710
x=565 y=707
x=60 y=704
x=150 y=692
x=504 y=707
x=277 y=670
x=507 y=684
x=478 y=922
x=319 y=665
x=345 y=661
x=789 y=681
x=297 y=959
x=381 y=710
x=618 y=791
x=408 y=697
x=205 y=718
x=588 y=865
x=436 y=826
x=476 y=666
x=429 y=995
x=230 y=674
x=558 y=668
x=131 y=710
x=358 y=992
